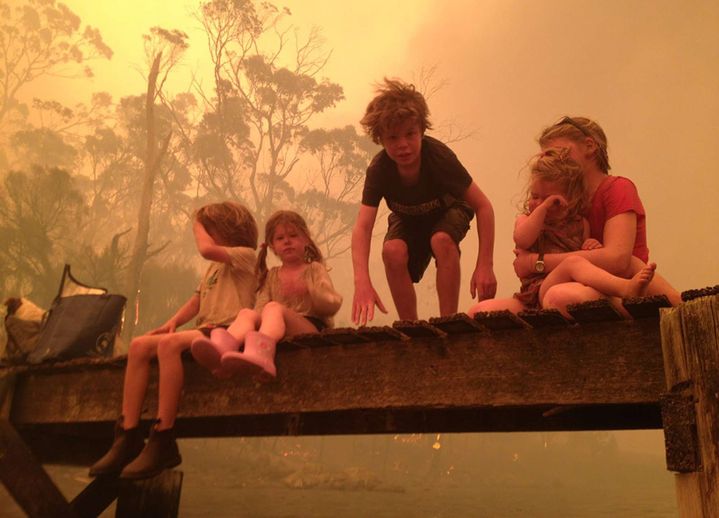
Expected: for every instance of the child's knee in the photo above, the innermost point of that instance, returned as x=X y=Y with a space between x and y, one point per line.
x=170 y=345
x=247 y=314
x=443 y=245
x=140 y=349
x=395 y=253
x=562 y=295
x=273 y=307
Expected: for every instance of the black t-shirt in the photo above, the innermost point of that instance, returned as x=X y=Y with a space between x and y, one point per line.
x=442 y=181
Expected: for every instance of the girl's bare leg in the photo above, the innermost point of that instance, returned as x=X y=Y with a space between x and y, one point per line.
x=658 y=285
x=172 y=377
x=511 y=304
x=247 y=320
x=279 y=321
x=562 y=295
x=578 y=269
x=137 y=373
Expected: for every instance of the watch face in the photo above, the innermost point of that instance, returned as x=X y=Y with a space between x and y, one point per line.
x=539 y=266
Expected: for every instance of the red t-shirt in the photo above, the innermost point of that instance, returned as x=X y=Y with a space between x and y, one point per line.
x=617 y=195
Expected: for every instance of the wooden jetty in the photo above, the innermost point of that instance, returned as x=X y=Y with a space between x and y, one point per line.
x=496 y=372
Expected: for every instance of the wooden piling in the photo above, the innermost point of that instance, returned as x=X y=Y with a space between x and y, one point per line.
x=690 y=344
x=157 y=496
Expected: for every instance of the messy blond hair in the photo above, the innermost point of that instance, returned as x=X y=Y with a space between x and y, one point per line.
x=556 y=166
x=232 y=222
x=287 y=218
x=395 y=102
x=577 y=129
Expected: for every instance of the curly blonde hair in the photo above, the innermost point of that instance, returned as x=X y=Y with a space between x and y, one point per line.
x=556 y=166
x=231 y=221
x=291 y=218
x=577 y=129
x=395 y=102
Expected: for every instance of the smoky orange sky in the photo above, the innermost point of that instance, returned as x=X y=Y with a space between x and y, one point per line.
x=646 y=70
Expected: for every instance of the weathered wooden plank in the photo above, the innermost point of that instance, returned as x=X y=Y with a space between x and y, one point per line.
x=703 y=292
x=343 y=336
x=96 y=497
x=457 y=324
x=543 y=318
x=417 y=329
x=646 y=307
x=690 y=342
x=158 y=496
x=680 y=431
x=593 y=311
x=500 y=320
x=540 y=368
x=307 y=340
x=381 y=334
x=26 y=480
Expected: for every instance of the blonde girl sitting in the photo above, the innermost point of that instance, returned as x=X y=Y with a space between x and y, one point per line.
x=552 y=222
x=296 y=297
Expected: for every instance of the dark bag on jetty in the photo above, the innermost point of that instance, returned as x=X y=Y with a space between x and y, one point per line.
x=81 y=321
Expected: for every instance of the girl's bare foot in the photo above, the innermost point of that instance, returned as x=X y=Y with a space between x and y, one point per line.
x=640 y=282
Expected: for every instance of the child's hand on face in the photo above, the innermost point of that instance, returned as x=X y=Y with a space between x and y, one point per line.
x=591 y=244
x=555 y=201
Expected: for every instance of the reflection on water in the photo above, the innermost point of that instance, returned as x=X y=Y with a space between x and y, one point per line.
x=420 y=475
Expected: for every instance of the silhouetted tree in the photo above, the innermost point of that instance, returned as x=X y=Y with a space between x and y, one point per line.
x=40 y=38
x=163 y=49
x=41 y=213
x=267 y=89
x=334 y=184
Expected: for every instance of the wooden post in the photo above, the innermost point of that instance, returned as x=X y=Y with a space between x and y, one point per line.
x=157 y=496
x=690 y=344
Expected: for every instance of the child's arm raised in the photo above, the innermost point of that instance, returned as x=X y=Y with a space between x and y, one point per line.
x=207 y=246
x=483 y=283
x=365 y=296
x=183 y=315
x=528 y=227
x=325 y=299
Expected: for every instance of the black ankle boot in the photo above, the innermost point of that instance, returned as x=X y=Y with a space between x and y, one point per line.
x=127 y=445
x=159 y=453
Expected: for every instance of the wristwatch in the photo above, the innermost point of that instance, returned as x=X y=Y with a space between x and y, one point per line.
x=539 y=265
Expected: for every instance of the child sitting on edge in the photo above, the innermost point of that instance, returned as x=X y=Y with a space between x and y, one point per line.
x=296 y=297
x=552 y=222
x=225 y=234
x=432 y=199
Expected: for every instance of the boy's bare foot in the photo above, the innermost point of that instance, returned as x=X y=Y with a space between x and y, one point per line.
x=640 y=282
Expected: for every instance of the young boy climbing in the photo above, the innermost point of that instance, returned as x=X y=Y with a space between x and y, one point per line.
x=432 y=199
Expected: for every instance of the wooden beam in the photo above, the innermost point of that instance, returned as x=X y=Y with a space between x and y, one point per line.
x=690 y=342
x=498 y=381
x=26 y=480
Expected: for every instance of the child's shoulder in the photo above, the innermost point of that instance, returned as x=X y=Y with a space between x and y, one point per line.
x=436 y=146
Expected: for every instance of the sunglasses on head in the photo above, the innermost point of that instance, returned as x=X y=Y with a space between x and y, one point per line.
x=572 y=122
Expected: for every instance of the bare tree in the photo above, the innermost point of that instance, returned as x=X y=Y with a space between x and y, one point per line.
x=335 y=180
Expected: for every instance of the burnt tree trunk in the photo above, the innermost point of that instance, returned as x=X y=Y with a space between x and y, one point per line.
x=152 y=165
